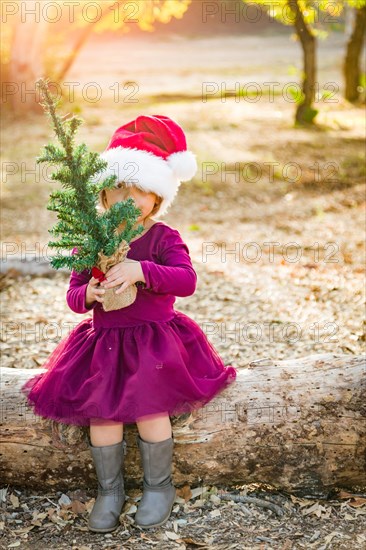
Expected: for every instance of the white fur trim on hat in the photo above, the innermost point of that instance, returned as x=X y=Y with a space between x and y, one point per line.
x=149 y=172
x=183 y=164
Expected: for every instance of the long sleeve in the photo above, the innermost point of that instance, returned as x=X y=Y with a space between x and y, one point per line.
x=76 y=292
x=175 y=275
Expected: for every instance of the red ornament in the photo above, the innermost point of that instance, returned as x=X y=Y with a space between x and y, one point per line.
x=98 y=274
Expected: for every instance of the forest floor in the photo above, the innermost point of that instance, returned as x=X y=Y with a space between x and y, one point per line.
x=262 y=181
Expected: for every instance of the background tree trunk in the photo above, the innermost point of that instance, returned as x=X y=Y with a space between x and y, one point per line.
x=26 y=60
x=305 y=112
x=298 y=425
x=352 y=61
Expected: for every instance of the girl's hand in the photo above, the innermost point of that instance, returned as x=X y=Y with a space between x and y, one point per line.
x=127 y=272
x=93 y=293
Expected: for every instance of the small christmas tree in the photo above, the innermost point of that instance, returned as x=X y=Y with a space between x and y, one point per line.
x=80 y=225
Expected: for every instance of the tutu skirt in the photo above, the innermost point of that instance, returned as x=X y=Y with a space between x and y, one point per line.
x=121 y=374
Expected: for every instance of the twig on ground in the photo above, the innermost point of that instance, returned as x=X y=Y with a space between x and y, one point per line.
x=252 y=500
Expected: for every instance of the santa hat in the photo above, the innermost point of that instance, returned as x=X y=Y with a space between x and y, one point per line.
x=151 y=153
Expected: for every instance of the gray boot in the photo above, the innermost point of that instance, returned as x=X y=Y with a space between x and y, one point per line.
x=159 y=492
x=108 y=461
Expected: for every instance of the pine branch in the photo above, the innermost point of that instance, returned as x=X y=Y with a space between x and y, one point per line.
x=79 y=223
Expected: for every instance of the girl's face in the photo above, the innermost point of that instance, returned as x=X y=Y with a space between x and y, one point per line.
x=144 y=201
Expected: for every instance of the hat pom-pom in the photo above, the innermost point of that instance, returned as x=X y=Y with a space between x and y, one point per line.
x=183 y=164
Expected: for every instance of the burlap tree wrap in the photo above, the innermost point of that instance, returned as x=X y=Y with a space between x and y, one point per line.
x=111 y=300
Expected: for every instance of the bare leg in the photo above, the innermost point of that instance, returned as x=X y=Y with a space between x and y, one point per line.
x=105 y=434
x=154 y=429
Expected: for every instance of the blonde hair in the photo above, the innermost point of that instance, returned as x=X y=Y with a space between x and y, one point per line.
x=122 y=185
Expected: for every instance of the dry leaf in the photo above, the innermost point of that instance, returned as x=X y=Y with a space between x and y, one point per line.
x=198 y=491
x=78 y=507
x=184 y=492
x=24 y=530
x=193 y=542
x=345 y=494
x=131 y=510
x=355 y=501
x=198 y=504
x=14 y=500
x=316 y=509
x=89 y=505
x=145 y=537
x=51 y=512
x=171 y=535
x=329 y=537
x=301 y=501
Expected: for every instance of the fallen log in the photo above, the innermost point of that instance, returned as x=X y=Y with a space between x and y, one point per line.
x=297 y=425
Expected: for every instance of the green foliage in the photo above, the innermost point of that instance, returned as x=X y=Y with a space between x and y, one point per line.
x=358 y=4
x=79 y=223
x=296 y=94
x=310 y=9
x=282 y=12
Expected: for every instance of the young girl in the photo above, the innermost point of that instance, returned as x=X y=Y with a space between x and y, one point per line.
x=145 y=362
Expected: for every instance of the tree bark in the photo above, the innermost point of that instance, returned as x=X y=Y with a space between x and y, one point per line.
x=298 y=425
x=351 y=65
x=305 y=112
x=26 y=64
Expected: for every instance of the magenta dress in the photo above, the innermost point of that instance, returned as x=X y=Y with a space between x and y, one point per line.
x=141 y=360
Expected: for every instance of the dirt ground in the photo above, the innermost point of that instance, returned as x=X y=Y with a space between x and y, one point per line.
x=290 y=202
